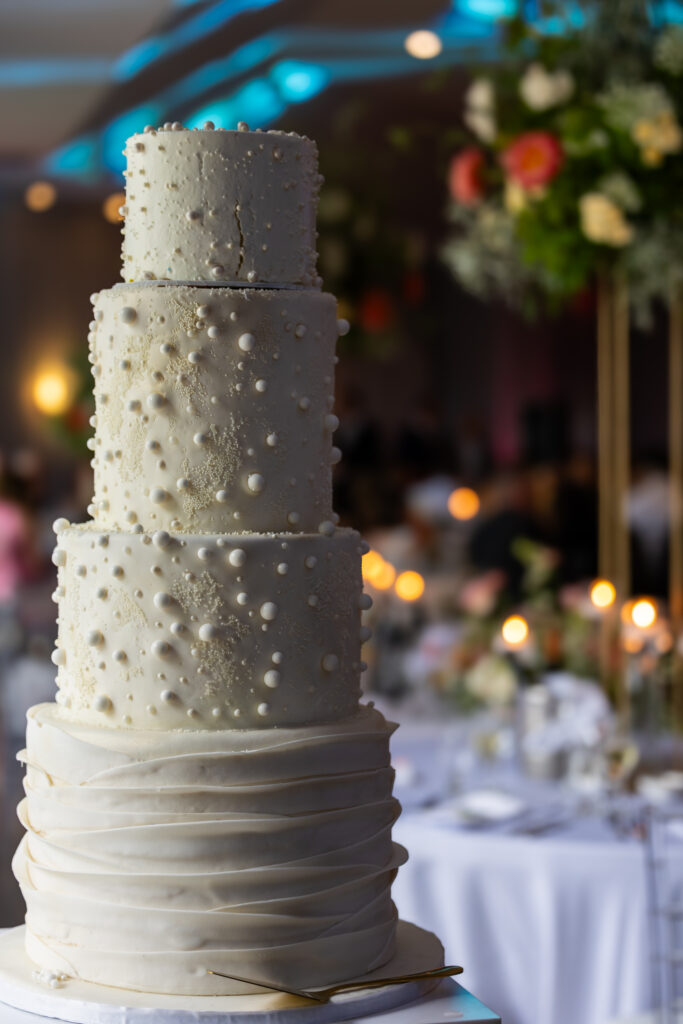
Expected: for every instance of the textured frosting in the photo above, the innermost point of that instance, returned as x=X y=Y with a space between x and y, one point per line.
x=188 y=631
x=207 y=794
x=220 y=205
x=213 y=408
x=262 y=854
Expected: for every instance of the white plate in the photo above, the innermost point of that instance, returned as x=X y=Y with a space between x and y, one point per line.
x=484 y=807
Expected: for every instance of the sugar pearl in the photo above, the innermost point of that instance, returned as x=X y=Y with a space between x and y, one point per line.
x=343 y=327
x=214 y=332
x=94 y=638
x=242 y=598
x=158 y=495
x=268 y=611
x=102 y=703
x=330 y=662
x=237 y=557
x=310 y=561
x=208 y=631
x=255 y=483
x=272 y=678
x=263 y=709
x=60 y=524
x=163 y=600
x=128 y=314
x=246 y=342
x=160 y=648
x=200 y=439
x=282 y=569
x=271 y=440
x=222 y=496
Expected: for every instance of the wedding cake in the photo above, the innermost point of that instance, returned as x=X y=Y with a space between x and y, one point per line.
x=207 y=793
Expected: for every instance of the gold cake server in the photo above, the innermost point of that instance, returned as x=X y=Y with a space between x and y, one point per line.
x=323 y=995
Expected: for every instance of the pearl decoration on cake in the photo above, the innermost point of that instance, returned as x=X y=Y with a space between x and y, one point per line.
x=60 y=524
x=119 y=655
x=330 y=663
x=237 y=557
x=161 y=539
x=242 y=598
x=272 y=678
x=163 y=600
x=128 y=315
x=158 y=495
x=200 y=439
x=208 y=632
x=246 y=342
x=222 y=496
x=58 y=657
x=268 y=611
x=160 y=648
x=102 y=703
x=263 y=709
x=282 y=569
x=94 y=638
x=310 y=561
x=214 y=332
x=255 y=483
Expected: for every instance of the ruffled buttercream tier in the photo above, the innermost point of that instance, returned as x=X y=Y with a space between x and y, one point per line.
x=152 y=858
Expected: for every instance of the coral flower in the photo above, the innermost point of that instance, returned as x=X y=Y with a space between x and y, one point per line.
x=533 y=159
x=465 y=176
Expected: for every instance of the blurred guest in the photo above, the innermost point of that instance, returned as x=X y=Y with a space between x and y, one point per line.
x=647 y=509
x=503 y=520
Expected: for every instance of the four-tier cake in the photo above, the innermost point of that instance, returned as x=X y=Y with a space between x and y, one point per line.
x=207 y=793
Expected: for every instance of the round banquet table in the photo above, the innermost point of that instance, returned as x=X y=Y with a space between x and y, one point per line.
x=550 y=928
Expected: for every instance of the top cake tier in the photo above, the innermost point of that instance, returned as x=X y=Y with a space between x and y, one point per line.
x=220 y=206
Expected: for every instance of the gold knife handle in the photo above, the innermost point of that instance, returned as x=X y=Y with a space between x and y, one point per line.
x=350 y=986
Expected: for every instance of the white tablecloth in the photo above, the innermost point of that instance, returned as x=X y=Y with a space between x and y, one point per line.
x=550 y=929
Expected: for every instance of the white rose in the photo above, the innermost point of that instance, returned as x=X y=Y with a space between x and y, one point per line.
x=603 y=222
x=541 y=89
x=480 y=109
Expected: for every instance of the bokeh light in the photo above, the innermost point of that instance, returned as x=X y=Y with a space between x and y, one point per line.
x=515 y=631
x=52 y=390
x=644 y=613
x=423 y=44
x=603 y=594
x=463 y=503
x=40 y=196
x=409 y=586
x=385 y=577
x=111 y=206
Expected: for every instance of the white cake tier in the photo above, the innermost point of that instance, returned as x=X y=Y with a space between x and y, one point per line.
x=152 y=858
x=221 y=205
x=208 y=632
x=213 y=408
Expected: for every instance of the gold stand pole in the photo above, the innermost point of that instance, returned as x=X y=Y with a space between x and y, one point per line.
x=613 y=469
x=676 y=495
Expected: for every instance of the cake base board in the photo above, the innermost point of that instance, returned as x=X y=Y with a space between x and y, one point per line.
x=81 y=1002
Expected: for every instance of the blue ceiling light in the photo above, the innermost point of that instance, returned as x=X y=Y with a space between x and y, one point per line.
x=297 y=81
x=27 y=72
x=76 y=159
x=488 y=8
x=257 y=103
x=117 y=131
x=218 y=72
x=184 y=34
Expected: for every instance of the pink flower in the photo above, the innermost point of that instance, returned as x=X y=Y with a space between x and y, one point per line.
x=533 y=159
x=465 y=176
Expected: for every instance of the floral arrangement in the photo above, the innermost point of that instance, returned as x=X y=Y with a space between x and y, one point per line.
x=573 y=162
x=466 y=659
